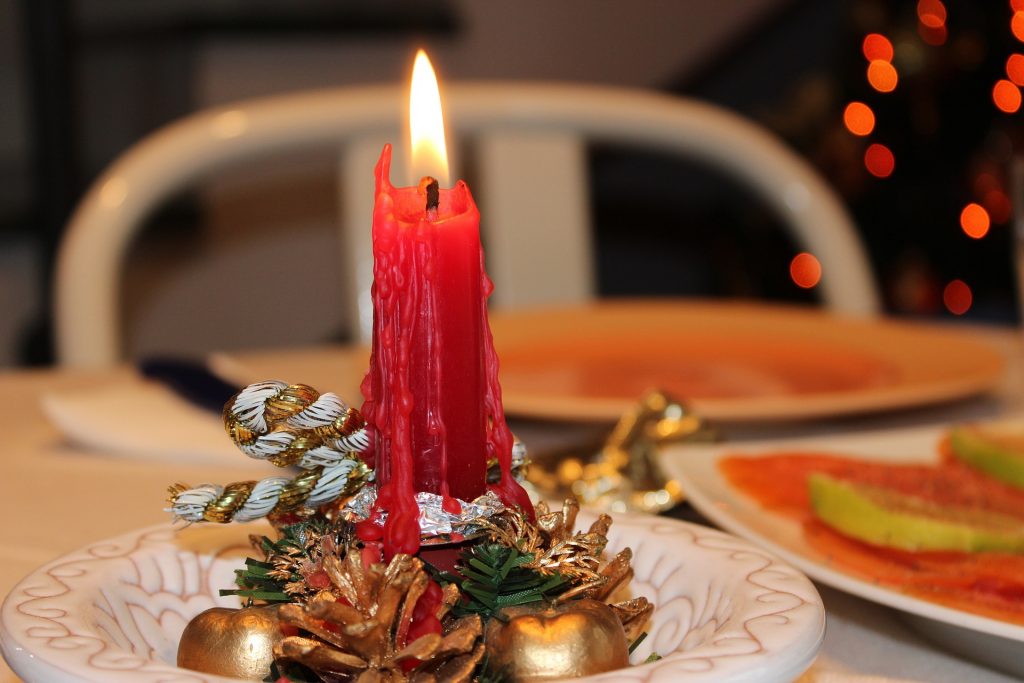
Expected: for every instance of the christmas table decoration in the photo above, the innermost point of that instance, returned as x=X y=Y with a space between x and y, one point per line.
x=406 y=548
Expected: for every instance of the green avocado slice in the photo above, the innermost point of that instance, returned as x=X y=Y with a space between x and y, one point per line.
x=996 y=451
x=882 y=517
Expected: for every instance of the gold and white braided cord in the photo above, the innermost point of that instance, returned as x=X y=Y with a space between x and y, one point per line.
x=294 y=424
x=245 y=501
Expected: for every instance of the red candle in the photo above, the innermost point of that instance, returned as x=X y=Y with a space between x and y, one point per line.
x=431 y=394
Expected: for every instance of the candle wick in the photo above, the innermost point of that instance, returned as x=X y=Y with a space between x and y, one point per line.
x=430 y=187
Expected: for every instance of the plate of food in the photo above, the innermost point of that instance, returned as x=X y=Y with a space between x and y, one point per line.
x=732 y=362
x=116 y=609
x=928 y=521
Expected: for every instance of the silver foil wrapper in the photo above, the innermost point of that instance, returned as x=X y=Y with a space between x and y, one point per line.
x=436 y=523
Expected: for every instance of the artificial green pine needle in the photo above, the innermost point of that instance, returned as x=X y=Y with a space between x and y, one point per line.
x=492 y=576
x=636 y=643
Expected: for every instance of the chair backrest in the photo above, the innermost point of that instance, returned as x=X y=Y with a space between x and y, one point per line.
x=530 y=141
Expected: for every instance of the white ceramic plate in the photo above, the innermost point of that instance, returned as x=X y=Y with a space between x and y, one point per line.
x=996 y=643
x=114 y=611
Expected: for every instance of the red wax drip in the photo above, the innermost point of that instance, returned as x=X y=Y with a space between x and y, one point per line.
x=432 y=398
x=499 y=436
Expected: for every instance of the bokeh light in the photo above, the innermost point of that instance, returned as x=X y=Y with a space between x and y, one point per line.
x=879 y=160
x=1006 y=96
x=974 y=221
x=998 y=206
x=1017 y=25
x=933 y=35
x=957 y=297
x=1017 y=5
x=1015 y=68
x=931 y=13
x=805 y=270
x=858 y=118
x=877 y=46
x=882 y=76
x=984 y=182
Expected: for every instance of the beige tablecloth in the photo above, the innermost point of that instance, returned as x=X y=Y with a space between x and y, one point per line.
x=56 y=497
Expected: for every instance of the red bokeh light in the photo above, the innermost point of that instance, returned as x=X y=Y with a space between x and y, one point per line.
x=931 y=13
x=879 y=160
x=998 y=206
x=1006 y=96
x=933 y=35
x=805 y=270
x=1015 y=68
x=957 y=297
x=877 y=46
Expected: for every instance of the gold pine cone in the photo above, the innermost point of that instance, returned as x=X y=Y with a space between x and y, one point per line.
x=358 y=628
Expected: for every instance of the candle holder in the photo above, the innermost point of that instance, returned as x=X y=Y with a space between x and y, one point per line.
x=483 y=567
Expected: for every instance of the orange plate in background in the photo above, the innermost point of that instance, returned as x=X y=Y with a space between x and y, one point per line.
x=730 y=361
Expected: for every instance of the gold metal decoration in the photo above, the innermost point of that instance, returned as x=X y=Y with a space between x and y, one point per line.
x=557 y=548
x=238 y=643
x=572 y=639
x=625 y=475
x=359 y=626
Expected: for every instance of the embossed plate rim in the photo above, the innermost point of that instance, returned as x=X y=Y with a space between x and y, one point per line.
x=782 y=615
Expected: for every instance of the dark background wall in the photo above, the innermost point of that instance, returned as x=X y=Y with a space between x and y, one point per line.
x=84 y=79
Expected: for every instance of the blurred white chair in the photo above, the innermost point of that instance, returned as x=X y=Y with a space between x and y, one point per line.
x=530 y=142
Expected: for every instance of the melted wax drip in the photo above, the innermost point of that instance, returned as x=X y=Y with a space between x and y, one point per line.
x=403 y=270
x=499 y=436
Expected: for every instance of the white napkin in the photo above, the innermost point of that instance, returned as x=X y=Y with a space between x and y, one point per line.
x=137 y=418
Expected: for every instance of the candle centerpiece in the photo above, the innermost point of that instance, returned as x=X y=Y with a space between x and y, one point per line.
x=429 y=459
x=432 y=398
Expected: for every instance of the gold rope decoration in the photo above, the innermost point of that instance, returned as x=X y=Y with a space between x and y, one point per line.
x=210 y=504
x=341 y=434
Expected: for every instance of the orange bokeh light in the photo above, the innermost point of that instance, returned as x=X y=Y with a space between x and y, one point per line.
x=882 y=76
x=957 y=297
x=974 y=221
x=1017 y=5
x=879 y=160
x=998 y=206
x=1006 y=96
x=1015 y=68
x=805 y=270
x=858 y=118
x=1017 y=25
x=877 y=46
x=931 y=13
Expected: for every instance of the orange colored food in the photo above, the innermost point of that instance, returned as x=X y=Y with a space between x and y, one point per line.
x=989 y=584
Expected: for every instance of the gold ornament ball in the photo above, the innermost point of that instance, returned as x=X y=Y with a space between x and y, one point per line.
x=231 y=642
x=575 y=638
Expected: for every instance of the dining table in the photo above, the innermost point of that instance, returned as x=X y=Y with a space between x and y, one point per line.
x=59 y=495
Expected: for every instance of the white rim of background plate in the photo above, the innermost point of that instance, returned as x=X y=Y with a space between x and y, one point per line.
x=113 y=610
x=716 y=505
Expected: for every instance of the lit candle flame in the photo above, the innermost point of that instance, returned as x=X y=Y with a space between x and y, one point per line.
x=426 y=123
